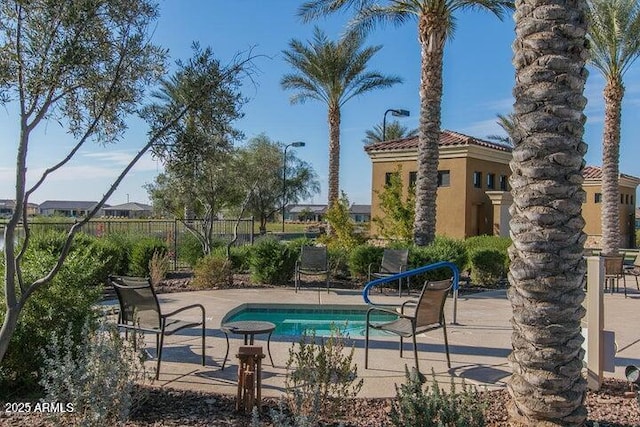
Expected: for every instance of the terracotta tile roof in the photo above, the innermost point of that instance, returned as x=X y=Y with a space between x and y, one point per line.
x=595 y=172
x=448 y=138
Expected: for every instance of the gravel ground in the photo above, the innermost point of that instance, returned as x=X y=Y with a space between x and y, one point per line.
x=167 y=407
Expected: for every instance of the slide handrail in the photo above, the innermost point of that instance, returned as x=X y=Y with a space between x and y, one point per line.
x=409 y=273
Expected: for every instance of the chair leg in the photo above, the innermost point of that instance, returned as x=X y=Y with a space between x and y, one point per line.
x=415 y=352
x=161 y=343
x=203 y=344
x=296 y=279
x=637 y=285
x=327 y=282
x=401 y=345
x=446 y=344
x=227 y=352
x=366 y=346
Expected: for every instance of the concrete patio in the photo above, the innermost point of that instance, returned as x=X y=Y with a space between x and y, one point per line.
x=479 y=343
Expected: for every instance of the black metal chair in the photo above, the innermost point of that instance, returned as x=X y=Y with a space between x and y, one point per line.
x=394 y=261
x=313 y=261
x=633 y=270
x=140 y=311
x=613 y=272
x=428 y=315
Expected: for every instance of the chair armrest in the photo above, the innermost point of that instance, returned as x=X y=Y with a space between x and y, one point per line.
x=411 y=302
x=387 y=310
x=369 y=269
x=187 y=307
x=297 y=265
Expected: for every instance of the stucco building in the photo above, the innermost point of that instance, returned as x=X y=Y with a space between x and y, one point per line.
x=473 y=190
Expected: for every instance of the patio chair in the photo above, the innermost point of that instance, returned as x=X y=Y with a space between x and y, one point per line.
x=613 y=272
x=394 y=261
x=313 y=261
x=427 y=315
x=140 y=311
x=633 y=270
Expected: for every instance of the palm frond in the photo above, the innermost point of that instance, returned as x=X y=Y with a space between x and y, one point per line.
x=314 y=9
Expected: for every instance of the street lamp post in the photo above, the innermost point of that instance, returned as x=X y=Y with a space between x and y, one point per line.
x=284 y=175
x=394 y=112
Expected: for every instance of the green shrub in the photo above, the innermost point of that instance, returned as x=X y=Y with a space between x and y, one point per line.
x=68 y=299
x=141 y=254
x=360 y=259
x=338 y=260
x=238 y=255
x=488 y=242
x=97 y=375
x=212 y=271
x=272 y=262
x=416 y=406
x=487 y=266
x=320 y=376
x=442 y=249
x=124 y=243
x=189 y=248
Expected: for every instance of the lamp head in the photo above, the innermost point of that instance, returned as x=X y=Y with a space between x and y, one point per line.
x=297 y=144
x=400 y=113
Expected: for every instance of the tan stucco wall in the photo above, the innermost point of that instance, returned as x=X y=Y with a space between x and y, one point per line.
x=592 y=214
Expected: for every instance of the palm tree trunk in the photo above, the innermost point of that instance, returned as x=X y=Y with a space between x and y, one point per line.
x=546 y=272
x=613 y=93
x=432 y=37
x=334 y=154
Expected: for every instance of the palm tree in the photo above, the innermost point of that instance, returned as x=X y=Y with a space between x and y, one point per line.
x=507 y=124
x=332 y=72
x=436 y=22
x=546 y=385
x=614 y=37
x=393 y=130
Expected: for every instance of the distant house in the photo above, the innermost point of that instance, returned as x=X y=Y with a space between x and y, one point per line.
x=360 y=213
x=69 y=208
x=129 y=210
x=315 y=213
x=312 y=213
x=7 y=208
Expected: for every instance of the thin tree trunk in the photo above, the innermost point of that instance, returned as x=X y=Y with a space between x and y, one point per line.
x=613 y=93
x=334 y=154
x=546 y=385
x=432 y=37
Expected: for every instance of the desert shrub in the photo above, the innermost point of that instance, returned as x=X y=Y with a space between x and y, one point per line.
x=296 y=244
x=158 y=267
x=418 y=406
x=272 y=262
x=117 y=251
x=488 y=242
x=360 y=258
x=189 y=248
x=141 y=254
x=212 y=271
x=487 y=266
x=343 y=233
x=97 y=375
x=338 y=260
x=238 y=255
x=442 y=249
x=320 y=376
x=67 y=299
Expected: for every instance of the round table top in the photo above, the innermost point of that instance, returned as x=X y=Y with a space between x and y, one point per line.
x=248 y=327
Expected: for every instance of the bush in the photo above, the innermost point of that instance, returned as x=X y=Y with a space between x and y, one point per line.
x=272 y=262
x=238 y=255
x=68 y=299
x=338 y=260
x=432 y=406
x=487 y=266
x=124 y=243
x=488 y=242
x=158 y=267
x=189 y=248
x=320 y=376
x=442 y=249
x=360 y=258
x=97 y=375
x=212 y=271
x=141 y=254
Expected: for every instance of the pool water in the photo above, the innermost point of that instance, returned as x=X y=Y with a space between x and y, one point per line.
x=296 y=319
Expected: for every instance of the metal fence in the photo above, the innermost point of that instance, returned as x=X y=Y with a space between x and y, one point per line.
x=173 y=232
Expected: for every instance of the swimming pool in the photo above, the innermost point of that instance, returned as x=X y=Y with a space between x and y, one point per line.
x=295 y=319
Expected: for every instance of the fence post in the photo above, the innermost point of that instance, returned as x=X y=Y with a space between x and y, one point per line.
x=175 y=244
x=253 y=227
x=595 y=322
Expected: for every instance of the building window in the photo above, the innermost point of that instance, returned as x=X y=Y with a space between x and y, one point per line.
x=632 y=199
x=491 y=181
x=477 y=179
x=503 y=182
x=387 y=178
x=444 y=178
x=413 y=178
x=626 y=199
x=622 y=199
x=598 y=198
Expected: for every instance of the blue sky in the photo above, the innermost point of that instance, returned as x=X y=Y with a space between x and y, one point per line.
x=478 y=80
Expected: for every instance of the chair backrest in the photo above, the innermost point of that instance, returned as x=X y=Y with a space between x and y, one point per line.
x=430 y=308
x=394 y=260
x=138 y=302
x=613 y=265
x=313 y=258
